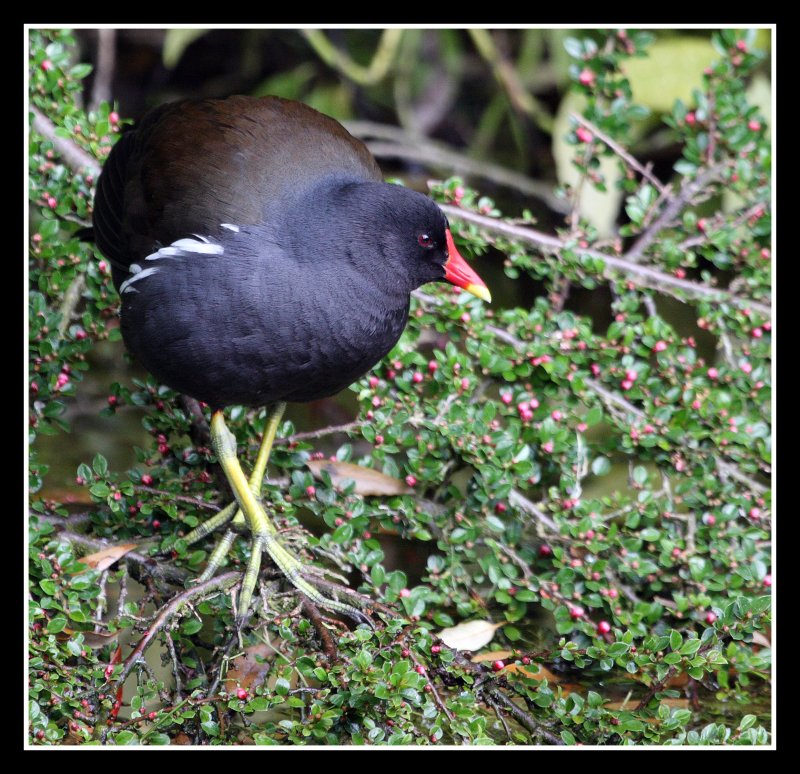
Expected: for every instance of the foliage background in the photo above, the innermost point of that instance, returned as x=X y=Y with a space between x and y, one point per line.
x=587 y=461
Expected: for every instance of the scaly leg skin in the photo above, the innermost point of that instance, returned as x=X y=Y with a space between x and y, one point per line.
x=264 y=534
x=232 y=512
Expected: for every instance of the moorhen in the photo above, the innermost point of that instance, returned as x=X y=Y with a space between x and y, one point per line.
x=260 y=258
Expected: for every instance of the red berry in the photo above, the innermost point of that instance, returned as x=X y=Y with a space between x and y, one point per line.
x=417 y=377
x=583 y=134
x=432 y=366
x=711 y=617
x=411 y=480
x=405 y=593
x=548 y=447
x=405 y=652
x=241 y=693
x=691 y=119
x=500 y=508
x=576 y=612
x=498 y=665
x=113 y=118
x=147 y=479
x=545 y=550
x=156 y=524
x=46 y=65
x=556 y=415
x=767 y=580
x=311 y=491
x=112 y=400
x=713 y=373
x=420 y=669
x=753 y=126
x=436 y=648
x=604 y=627
x=373 y=381
x=378 y=440
x=586 y=78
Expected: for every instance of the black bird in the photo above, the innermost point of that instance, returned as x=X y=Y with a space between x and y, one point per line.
x=260 y=258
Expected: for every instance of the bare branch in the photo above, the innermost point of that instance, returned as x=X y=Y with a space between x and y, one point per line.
x=620 y=151
x=104 y=71
x=645 y=275
x=77 y=159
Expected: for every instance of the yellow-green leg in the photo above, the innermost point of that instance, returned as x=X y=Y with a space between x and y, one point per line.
x=232 y=512
x=264 y=533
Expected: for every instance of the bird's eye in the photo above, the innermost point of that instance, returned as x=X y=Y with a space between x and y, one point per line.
x=426 y=240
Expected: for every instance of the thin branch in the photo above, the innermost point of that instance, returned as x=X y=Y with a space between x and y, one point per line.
x=525 y=719
x=646 y=275
x=620 y=151
x=505 y=74
x=77 y=159
x=518 y=500
x=104 y=71
x=72 y=298
x=166 y=613
x=157 y=569
x=374 y=73
x=321 y=433
x=728 y=469
x=436 y=156
x=328 y=645
x=688 y=191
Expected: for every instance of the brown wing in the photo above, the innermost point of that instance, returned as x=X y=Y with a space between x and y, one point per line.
x=195 y=164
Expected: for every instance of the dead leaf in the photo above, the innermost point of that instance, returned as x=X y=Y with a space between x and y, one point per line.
x=92 y=640
x=470 y=635
x=102 y=560
x=367 y=480
x=251 y=666
x=533 y=671
x=494 y=655
x=762 y=639
x=98 y=639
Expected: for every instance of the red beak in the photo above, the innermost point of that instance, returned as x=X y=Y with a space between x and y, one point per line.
x=459 y=272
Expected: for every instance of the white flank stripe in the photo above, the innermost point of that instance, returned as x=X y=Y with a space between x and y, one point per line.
x=230 y=227
x=186 y=245
x=125 y=287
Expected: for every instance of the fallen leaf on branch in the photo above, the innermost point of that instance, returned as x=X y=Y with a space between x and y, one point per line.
x=367 y=480
x=470 y=635
x=251 y=666
x=102 y=560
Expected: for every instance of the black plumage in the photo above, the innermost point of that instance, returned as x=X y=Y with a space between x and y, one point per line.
x=258 y=254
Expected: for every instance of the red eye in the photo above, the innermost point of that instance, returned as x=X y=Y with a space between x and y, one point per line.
x=425 y=240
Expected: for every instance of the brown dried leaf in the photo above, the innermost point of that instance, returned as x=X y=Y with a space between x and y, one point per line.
x=102 y=560
x=98 y=639
x=367 y=480
x=534 y=672
x=762 y=639
x=470 y=635
x=495 y=655
x=251 y=666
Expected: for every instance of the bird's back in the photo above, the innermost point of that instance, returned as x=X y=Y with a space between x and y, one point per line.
x=193 y=165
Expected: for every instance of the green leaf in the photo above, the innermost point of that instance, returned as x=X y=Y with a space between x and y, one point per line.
x=690 y=647
x=57 y=624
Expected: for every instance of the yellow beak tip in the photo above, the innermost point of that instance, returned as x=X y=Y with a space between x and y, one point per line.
x=481 y=291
